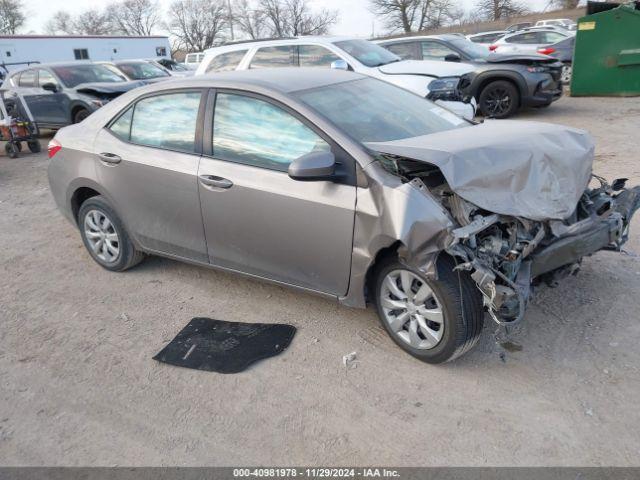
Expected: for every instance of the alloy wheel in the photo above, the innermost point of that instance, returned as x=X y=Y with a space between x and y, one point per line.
x=411 y=309
x=497 y=102
x=101 y=236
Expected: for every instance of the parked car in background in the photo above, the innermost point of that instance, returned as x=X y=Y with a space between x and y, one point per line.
x=192 y=60
x=552 y=28
x=527 y=41
x=518 y=26
x=565 y=23
x=59 y=94
x=177 y=69
x=563 y=52
x=146 y=71
x=436 y=81
x=501 y=84
x=487 y=38
x=343 y=185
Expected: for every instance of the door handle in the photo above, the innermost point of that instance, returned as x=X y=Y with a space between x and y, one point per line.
x=109 y=158
x=213 y=181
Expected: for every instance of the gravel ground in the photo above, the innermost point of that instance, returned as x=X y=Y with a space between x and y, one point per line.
x=78 y=385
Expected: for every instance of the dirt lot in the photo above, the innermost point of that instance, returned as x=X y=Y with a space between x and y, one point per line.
x=78 y=385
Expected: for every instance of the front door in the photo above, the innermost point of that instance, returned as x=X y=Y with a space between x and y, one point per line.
x=256 y=218
x=147 y=160
x=49 y=107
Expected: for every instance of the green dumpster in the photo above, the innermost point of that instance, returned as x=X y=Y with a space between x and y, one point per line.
x=606 y=60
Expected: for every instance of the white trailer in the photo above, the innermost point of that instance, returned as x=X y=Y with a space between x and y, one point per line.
x=62 y=48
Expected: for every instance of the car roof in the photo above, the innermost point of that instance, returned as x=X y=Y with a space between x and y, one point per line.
x=72 y=63
x=321 y=40
x=444 y=37
x=283 y=80
x=492 y=32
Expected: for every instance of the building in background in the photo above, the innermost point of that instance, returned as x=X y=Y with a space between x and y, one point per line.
x=63 y=48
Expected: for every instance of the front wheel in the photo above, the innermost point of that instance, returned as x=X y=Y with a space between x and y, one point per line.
x=105 y=237
x=499 y=99
x=80 y=115
x=434 y=320
x=11 y=150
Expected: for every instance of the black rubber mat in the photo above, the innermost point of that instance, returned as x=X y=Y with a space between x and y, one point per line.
x=225 y=347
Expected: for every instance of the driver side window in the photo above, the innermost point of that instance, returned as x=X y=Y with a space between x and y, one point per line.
x=435 y=51
x=255 y=132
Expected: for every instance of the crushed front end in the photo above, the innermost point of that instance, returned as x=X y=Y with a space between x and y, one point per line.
x=507 y=255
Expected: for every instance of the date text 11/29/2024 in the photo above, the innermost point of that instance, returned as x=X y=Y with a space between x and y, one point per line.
x=315 y=472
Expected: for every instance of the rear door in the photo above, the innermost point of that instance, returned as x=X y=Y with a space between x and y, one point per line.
x=257 y=219
x=147 y=160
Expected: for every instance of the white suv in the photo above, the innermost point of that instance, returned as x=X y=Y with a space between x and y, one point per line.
x=439 y=81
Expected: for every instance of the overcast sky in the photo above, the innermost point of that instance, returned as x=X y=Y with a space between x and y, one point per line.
x=354 y=17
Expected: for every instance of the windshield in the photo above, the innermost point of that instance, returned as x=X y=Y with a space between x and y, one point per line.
x=367 y=53
x=73 y=75
x=370 y=110
x=141 y=70
x=473 y=51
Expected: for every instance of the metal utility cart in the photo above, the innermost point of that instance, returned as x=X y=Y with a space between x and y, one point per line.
x=17 y=124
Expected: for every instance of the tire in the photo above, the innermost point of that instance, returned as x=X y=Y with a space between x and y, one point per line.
x=499 y=99
x=19 y=146
x=11 y=150
x=34 y=146
x=80 y=115
x=567 y=73
x=453 y=293
x=113 y=253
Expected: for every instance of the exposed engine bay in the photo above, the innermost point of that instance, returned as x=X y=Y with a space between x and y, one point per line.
x=508 y=255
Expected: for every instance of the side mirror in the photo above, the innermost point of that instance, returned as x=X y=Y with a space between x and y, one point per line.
x=313 y=166
x=340 y=65
x=452 y=57
x=50 y=87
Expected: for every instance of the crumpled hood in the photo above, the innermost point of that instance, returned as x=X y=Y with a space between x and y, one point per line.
x=516 y=58
x=524 y=169
x=107 y=87
x=427 y=67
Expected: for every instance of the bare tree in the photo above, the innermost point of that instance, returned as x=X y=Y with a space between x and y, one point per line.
x=396 y=14
x=250 y=19
x=198 y=24
x=60 y=23
x=11 y=16
x=134 y=17
x=497 y=9
x=92 y=22
x=288 y=18
x=413 y=15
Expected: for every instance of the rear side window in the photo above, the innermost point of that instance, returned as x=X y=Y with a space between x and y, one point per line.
x=315 y=56
x=255 y=132
x=526 y=38
x=271 y=57
x=405 y=50
x=226 y=61
x=27 y=78
x=551 y=37
x=121 y=128
x=164 y=121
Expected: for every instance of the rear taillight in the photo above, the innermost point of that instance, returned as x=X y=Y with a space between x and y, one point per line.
x=54 y=147
x=493 y=48
x=546 y=50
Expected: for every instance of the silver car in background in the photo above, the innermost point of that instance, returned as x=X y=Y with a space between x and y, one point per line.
x=342 y=185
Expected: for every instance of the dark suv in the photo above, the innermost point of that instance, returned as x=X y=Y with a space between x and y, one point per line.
x=501 y=84
x=66 y=93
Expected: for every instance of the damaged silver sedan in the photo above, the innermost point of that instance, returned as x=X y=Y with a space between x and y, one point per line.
x=345 y=186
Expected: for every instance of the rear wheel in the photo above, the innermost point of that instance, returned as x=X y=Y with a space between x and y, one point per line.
x=499 y=99
x=567 y=72
x=434 y=320
x=105 y=237
x=80 y=115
